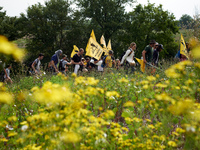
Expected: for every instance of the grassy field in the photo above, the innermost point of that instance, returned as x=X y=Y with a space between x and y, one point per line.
x=112 y=110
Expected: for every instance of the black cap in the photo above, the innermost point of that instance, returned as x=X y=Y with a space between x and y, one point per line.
x=152 y=42
x=41 y=54
x=160 y=46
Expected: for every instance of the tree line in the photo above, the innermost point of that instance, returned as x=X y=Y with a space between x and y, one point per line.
x=58 y=25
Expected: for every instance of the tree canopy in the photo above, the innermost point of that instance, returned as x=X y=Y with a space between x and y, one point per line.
x=57 y=26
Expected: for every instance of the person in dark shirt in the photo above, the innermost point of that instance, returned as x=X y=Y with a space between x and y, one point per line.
x=156 y=54
x=89 y=64
x=147 y=53
x=54 y=61
x=76 y=60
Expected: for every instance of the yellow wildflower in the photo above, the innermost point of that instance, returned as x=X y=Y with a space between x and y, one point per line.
x=123 y=80
x=181 y=107
x=161 y=85
x=9 y=48
x=6 y=98
x=196 y=52
x=146 y=86
x=129 y=104
x=172 y=143
x=3 y=140
x=12 y=118
x=74 y=75
x=151 y=78
x=112 y=94
x=11 y=133
x=163 y=96
x=70 y=137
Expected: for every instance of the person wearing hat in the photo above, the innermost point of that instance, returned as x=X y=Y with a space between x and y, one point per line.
x=156 y=54
x=147 y=53
x=54 y=60
x=35 y=65
x=62 y=65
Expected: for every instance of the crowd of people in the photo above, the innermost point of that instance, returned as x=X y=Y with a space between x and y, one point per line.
x=150 y=56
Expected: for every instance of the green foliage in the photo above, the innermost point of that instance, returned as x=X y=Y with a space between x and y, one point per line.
x=109 y=16
x=186 y=21
x=47 y=26
x=150 y=22
x=9 y=27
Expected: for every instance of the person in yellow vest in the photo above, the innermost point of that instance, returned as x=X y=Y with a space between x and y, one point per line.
x=108 y=60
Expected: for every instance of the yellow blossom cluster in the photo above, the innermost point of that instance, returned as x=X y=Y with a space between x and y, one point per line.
x=52 y=93
x=9 y=48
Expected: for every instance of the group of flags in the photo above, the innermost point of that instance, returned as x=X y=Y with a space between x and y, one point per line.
x=94 y=49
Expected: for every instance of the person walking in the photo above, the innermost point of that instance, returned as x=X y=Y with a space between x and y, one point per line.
x=147 y=53
x=62 y=65
x=54 y=61
x=129 y=57
x=35 y=65
x=156 y=54
x=76 y=60
x=7 y=74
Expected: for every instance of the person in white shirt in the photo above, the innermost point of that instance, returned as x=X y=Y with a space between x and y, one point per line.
x=36 y=63
x=129 y=55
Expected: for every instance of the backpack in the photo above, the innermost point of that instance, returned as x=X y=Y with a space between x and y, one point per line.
x=60 y=66
x=104 y=62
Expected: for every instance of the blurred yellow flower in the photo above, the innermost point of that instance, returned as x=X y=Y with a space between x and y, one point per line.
x=196 y=52
x=52 y=93
x=11 y=133
x=193 y=41
x=112 y=94
x=5 y=98
x=74 y=75
x=180 y=130
x=181 y=107
x=9 y=48
x=129 y=104
x=123 y=80
x=189 y=81
x=172 y=143
x=151 y=78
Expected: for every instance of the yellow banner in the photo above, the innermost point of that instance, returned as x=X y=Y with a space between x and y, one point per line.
x=75 y=50
x=142 y=64
x=93 y=49
x=93 y=35
x=183 y=49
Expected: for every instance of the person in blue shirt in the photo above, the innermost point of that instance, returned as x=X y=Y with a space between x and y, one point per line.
x=54 y=60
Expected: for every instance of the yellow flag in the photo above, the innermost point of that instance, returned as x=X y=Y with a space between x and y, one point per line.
x=75 y=50
x=93 y=49
x=102 y=41
x=93 y=35
x=109 y=45
x=183 y=49
x=142 y=64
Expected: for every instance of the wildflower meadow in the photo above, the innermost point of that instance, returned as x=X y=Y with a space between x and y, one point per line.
x=102 y=111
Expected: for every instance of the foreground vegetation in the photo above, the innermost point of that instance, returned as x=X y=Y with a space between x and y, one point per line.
x=110 y=111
